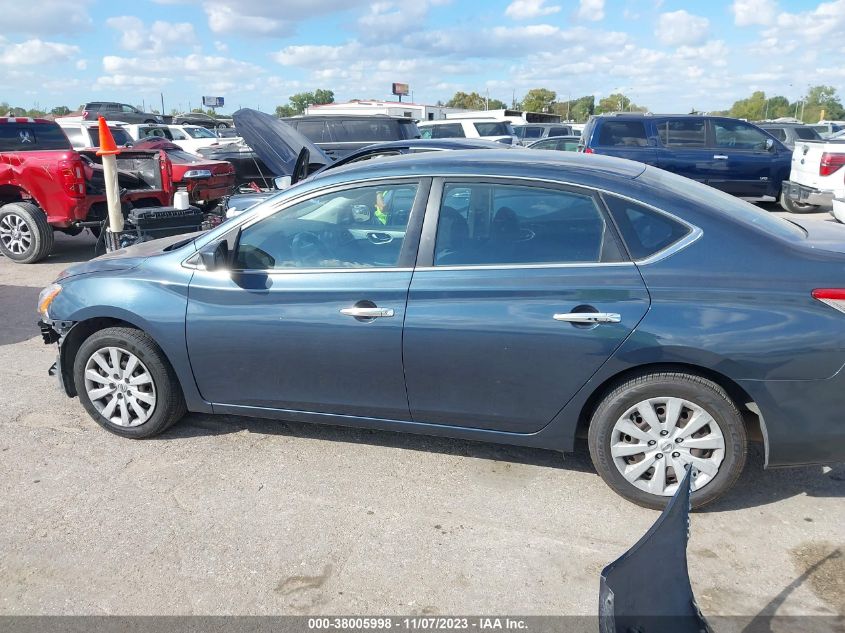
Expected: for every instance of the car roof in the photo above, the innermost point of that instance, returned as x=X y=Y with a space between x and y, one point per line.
x=514 y=163
x=436 y=143
x=342 y=117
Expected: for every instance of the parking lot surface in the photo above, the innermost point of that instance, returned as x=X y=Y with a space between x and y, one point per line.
x=226 y=515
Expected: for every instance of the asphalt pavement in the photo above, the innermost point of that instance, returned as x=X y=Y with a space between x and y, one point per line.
x=226 y=515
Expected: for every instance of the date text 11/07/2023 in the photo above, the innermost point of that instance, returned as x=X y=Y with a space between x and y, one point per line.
x=424 y=623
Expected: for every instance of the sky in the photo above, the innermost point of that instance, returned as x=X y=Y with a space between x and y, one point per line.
x=671 y=56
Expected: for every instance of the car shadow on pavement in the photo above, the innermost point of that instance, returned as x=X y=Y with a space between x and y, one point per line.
x=759 y=487
x=72 y=249
x=195 y=424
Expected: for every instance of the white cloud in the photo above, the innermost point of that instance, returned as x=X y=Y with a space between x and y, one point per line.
x=713 y=53
x=159 y=38
x=45 y=17
x=592 y=10
x=528 y=9
x=263 y=18
x=749 y=12
x=81 y=65
x=679 y=27
x=827 y=19
x=221 y=47
x=36 y=52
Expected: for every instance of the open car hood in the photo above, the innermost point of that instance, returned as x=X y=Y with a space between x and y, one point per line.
x=275 y=142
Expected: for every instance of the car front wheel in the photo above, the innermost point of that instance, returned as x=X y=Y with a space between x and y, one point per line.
x=126 y=383
x=650 y=429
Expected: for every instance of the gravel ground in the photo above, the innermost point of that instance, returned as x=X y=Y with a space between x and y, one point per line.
x=226 y=515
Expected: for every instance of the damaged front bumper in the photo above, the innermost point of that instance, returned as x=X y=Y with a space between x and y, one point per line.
x=55 y=332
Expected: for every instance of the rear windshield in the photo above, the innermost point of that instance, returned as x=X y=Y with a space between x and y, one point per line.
x=199 y=132
x=732 y=207
x=492 y=128
x=24 y=137
x=155 y=132
x=806 y=133
x=121 y=137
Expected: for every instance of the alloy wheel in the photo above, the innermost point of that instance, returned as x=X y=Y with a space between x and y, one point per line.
x=15 y=234
x=120 y=386
x=655 y=440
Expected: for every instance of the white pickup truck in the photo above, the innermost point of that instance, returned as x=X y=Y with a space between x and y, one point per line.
x=817 y=179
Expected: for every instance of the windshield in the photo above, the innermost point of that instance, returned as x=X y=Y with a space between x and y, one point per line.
x=198 y=132
x=161 y=132
x=493 y=128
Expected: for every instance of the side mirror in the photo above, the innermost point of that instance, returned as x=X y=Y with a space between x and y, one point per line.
x=215 y=256
x=769 y=144
x=282 y=182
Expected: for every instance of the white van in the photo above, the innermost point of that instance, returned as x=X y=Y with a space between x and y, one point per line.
x=488 y=129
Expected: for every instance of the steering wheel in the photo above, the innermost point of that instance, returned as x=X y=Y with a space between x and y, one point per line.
x=307 y=248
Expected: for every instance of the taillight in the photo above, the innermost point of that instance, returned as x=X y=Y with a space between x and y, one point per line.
x=72 y=175
x=588 y=150
x=831 y=163
x=85 y=115
x=834 y=297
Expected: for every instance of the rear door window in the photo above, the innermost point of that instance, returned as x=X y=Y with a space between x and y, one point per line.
x=360 y=130
x=489 y=224
x=682 y=133
x=532 y=131
x=28 y=137
x=645 y=231
x=559 y=131
x=779 y=133
x=314 y=131
x=623 y=133
x=806 y=134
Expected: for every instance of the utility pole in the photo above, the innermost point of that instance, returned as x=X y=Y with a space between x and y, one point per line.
x=161 y=94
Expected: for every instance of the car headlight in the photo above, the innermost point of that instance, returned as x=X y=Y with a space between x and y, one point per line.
x=197 y=173
x=46 y=297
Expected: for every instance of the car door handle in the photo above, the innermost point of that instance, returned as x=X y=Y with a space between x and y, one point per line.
x=720 y=157
x=367 y=313
x=588 y=317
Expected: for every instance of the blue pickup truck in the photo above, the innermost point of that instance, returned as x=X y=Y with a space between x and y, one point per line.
x=732 y=155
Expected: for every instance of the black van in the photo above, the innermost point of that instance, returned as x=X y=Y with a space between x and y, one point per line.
x=728 y=154
x=339 y=135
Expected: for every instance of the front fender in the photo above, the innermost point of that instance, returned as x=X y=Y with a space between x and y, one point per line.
x=150 y=298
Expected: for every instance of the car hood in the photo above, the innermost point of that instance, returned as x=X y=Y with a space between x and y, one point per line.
x=275 y=142
x=130 y=257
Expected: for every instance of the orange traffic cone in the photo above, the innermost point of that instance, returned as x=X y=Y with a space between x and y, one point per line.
x=107 y=145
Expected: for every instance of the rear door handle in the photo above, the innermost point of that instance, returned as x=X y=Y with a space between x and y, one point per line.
x=367 y=313
x=589 y=317
x=720 y=157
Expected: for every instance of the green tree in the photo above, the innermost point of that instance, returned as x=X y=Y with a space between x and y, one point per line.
x=322 y=97
x=578 y=110
x=57 y=111
x=283 y=111
x=752 y=108
x=538 y=100
x=822 y=102
x=618 y=102
x=473 y=101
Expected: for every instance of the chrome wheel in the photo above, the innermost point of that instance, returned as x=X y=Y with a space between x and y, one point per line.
x=120 y=386
x=654 y=441
x=15 y=234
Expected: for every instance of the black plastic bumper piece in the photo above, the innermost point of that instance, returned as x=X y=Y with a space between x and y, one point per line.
x=49 y=335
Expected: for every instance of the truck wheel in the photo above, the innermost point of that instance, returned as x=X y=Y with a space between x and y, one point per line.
x=126 y=383
x=648 y=430
x=25 y=235
x=796 y=207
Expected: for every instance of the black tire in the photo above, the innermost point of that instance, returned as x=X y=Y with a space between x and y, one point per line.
x=694 y=389
x=41 y=233
x=169 y=406
x=796 y=207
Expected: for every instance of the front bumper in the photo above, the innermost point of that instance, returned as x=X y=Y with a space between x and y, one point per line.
x=54 y=333
x=807 y=195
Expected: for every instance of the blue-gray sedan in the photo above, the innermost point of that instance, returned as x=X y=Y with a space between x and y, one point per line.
x=516 y=297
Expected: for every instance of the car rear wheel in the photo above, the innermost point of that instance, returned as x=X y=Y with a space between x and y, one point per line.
x=796 y=207
x=650 y=429
x=126 y=384
x=25 y=235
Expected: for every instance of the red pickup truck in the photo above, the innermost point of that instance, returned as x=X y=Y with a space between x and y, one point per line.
x=46 y=186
